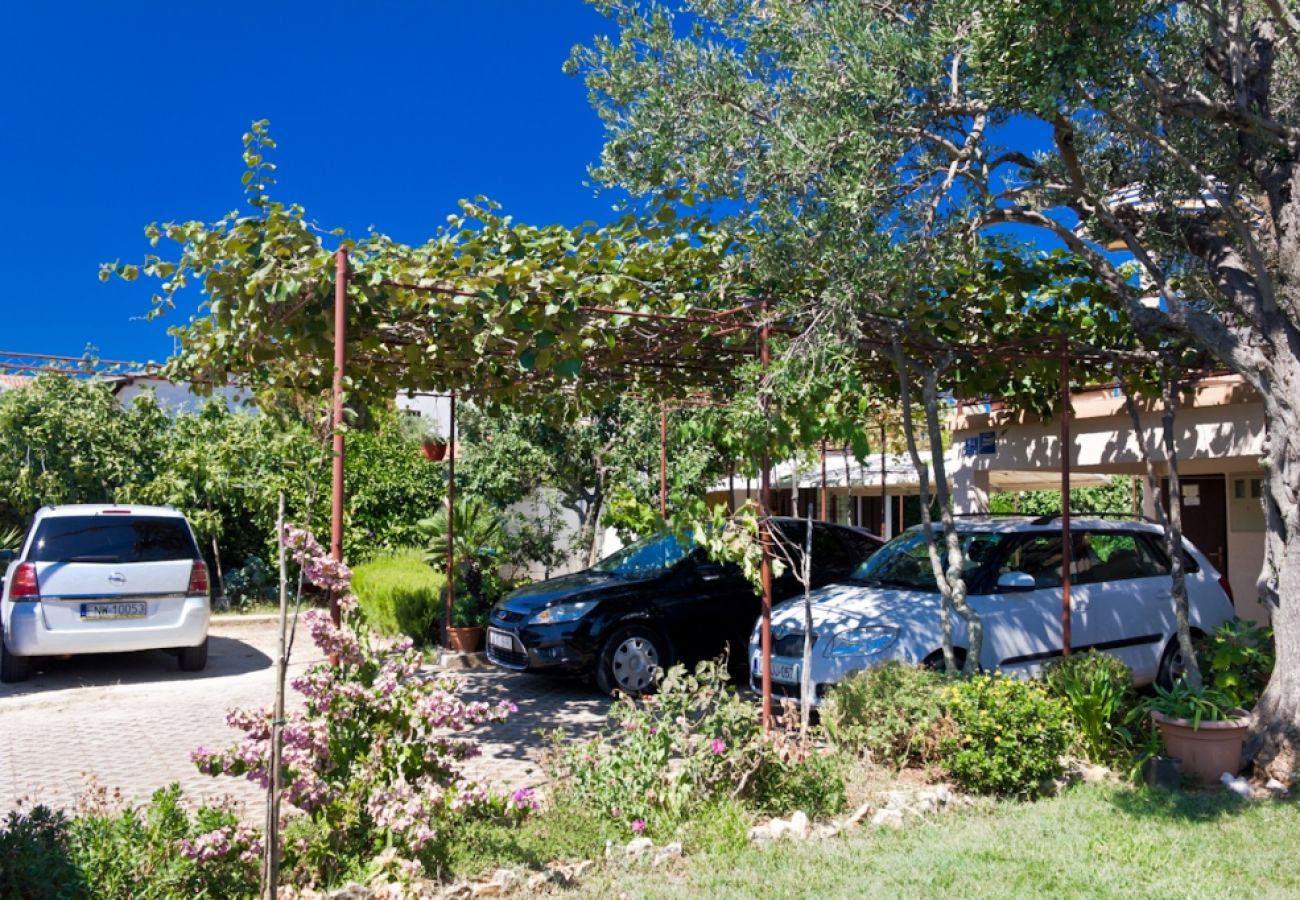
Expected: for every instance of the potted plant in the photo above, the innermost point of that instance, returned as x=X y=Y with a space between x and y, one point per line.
x=433 y=444
x=1202 y=728
x=465 y=631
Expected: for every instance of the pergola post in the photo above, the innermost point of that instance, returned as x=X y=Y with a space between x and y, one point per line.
x=451 y=518
x=884 y=487
x=766 y=541
x=850 y=489
x=1065 y=497
x=340 y=361
x=663 y=462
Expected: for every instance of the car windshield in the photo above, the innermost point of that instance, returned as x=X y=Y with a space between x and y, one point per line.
x=647 y=558
x=105 y=539
x=905 y=561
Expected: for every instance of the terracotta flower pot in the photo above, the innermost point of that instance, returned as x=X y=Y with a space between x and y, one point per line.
x=464 y=640
x=1206 y=752
x=434 y=451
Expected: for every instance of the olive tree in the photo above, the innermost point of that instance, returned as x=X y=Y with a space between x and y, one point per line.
x=864 y=137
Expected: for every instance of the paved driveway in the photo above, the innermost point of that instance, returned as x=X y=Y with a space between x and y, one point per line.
x=130 y=720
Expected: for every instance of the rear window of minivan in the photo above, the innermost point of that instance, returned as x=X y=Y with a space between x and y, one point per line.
x=112 y=539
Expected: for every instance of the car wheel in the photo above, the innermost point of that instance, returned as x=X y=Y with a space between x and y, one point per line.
x=1172 y=665
x=194 y=659
x=12 y=668
x=934 y=662
x=629 y=660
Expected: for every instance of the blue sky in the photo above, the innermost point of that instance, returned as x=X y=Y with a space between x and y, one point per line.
x=385 y=113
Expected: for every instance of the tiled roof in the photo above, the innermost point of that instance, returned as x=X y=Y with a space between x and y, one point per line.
x=9 y=382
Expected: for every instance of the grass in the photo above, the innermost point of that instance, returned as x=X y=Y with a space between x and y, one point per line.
x=399 y=594
x=1095 y=841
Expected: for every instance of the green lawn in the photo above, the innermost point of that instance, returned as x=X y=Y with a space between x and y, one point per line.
x=1092 y=842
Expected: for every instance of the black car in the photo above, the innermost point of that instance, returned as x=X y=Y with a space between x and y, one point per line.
x=653 y=603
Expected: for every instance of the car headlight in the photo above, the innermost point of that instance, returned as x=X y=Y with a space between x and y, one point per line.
x=562 y=612
x=863 y=641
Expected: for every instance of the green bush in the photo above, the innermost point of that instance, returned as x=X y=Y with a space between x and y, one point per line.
x=893 y=713
x=34 y=857
x=251 y=583
x=159 y=850
x=666 y=758
x=1097 y=690
x=1009 y=735
x=1237 y=660
x=400 y=594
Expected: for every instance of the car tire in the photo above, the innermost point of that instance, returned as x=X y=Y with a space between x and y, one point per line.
x=12 y=668
x=1171 y=662
x=194 y=659
x=628 y=661
x=935 y=663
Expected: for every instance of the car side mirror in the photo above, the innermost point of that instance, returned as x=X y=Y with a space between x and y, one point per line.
x=1016 y=581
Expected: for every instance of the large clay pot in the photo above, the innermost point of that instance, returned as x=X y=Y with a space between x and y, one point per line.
x=464 y=640
x=1208 y=751
x=434 y=451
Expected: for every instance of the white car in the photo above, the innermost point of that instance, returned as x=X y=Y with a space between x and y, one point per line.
x=104 y=579
x=1121 y=603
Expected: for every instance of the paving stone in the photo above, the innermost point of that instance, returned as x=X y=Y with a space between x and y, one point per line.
x=130 y=721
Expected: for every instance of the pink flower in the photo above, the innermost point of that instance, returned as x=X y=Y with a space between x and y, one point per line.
x=718 y=745
x=638 y=825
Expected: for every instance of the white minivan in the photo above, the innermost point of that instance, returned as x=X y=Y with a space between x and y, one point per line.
x=104 y=579
x=1121 y=603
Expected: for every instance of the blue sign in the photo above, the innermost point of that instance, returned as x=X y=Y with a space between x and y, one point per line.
x=988 y=443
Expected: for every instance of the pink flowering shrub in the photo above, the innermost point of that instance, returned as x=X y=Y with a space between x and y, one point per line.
x=373 y=759
x=663 y=758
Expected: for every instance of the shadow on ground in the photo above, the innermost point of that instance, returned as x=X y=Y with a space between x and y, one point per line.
x=1190 y=805
x=227 y=656
x=544 y=704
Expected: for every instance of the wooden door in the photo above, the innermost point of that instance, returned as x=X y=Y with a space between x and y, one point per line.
x=1205 y=515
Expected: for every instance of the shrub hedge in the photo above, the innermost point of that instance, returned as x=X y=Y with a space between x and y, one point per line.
x=400 y=594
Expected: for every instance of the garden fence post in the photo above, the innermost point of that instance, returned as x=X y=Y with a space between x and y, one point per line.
x=271 y=852
x=1065 y=497
x=340 y=361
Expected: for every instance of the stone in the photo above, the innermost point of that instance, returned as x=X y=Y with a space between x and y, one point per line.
x=486 y=889
x=350 y=891
x=538 y=881
x=1275 y=787
x=580 y=869
x=925 y=803
x=458 y=891
x=858 y=815
x=897 y=799
x=1094 y=774
x=943 y=794
x=888 y=818
x=799 y=826
x=507 y=878
x=667 y=852
x=1238 y=786
x=609 y=849
x=638 y=846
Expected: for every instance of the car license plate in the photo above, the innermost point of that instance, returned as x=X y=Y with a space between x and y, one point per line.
x=500 y=640
x=785 y=672
x=114 y=610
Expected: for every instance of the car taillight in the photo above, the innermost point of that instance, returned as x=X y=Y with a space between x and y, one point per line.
x=25 y=586
x=198 y=578
x=1227 y=589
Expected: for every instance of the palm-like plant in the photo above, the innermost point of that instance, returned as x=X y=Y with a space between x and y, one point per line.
x=477 y=543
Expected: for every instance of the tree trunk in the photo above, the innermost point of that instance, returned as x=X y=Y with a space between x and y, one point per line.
x=951 y=581
x=1275 y=740
x=592 y=538
x=1171 y=523
x=1174 y=530
x=805 y=674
